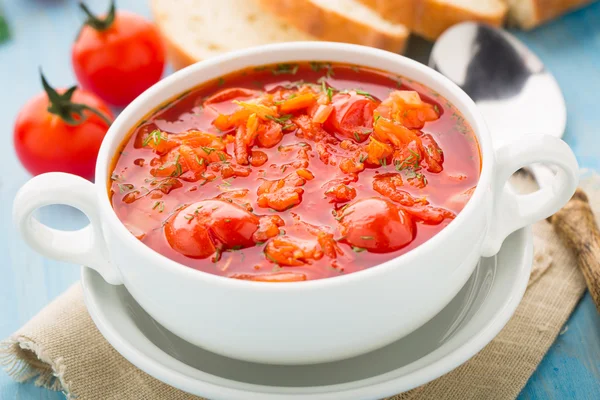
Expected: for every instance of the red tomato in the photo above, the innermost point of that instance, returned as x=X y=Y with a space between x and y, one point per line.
x=118 y=57
x=65 y=140
x=377 y=225
x=352 y=116
x=200 y=228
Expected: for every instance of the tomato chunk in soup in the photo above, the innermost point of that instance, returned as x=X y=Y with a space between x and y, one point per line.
x=293 y=172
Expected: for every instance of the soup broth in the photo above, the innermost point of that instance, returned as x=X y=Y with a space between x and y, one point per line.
x=294 y=172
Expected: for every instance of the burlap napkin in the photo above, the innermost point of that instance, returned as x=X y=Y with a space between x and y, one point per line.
x=61 y=349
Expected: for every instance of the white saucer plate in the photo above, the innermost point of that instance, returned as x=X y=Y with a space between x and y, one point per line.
x=472 y=319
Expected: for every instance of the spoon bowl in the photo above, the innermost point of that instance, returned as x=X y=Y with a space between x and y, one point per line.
x=508 y=82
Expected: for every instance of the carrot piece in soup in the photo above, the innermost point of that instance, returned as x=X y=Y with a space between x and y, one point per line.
x=340 y=193
x=258 y=158
x=268 y=227
x=241 y=148
x=433 y=155
x=394 y=133
x=281 y=194
x=379 y=153
x=407 y=108
x=419 y=209
x=289 y=251
x=229 y=95
x=300 y=102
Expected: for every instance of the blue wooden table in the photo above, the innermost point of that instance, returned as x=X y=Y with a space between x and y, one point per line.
x=42 y=33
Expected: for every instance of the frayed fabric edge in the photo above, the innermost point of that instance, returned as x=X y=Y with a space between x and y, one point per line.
x=24 y=360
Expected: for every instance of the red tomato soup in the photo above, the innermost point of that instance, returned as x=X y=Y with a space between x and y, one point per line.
x=294 y=172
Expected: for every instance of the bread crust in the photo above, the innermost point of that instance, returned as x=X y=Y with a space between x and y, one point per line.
x=430 y=18
x=329 y=25
x=178 y=57
x=546 y=10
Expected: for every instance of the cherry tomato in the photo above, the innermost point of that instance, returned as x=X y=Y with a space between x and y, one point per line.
x=201 y=228
x=377 y=225
x=61 y=132
x=352 y=116
x=119 y=56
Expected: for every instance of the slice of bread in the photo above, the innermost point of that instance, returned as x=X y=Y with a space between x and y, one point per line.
x=198 y=29
x=528 y=14
x=430 y=18
x=341 y=21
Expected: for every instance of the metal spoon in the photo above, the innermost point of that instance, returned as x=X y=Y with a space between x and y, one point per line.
x=518 y=96
x=515 y=93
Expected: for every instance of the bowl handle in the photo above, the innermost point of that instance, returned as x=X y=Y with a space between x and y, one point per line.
x=512 y=211
x=86 y=246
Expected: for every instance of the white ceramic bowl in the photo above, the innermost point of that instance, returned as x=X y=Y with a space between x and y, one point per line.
x=298 y=322
x=467 y=324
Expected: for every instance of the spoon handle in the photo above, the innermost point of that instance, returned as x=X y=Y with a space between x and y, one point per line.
x=576 y=225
